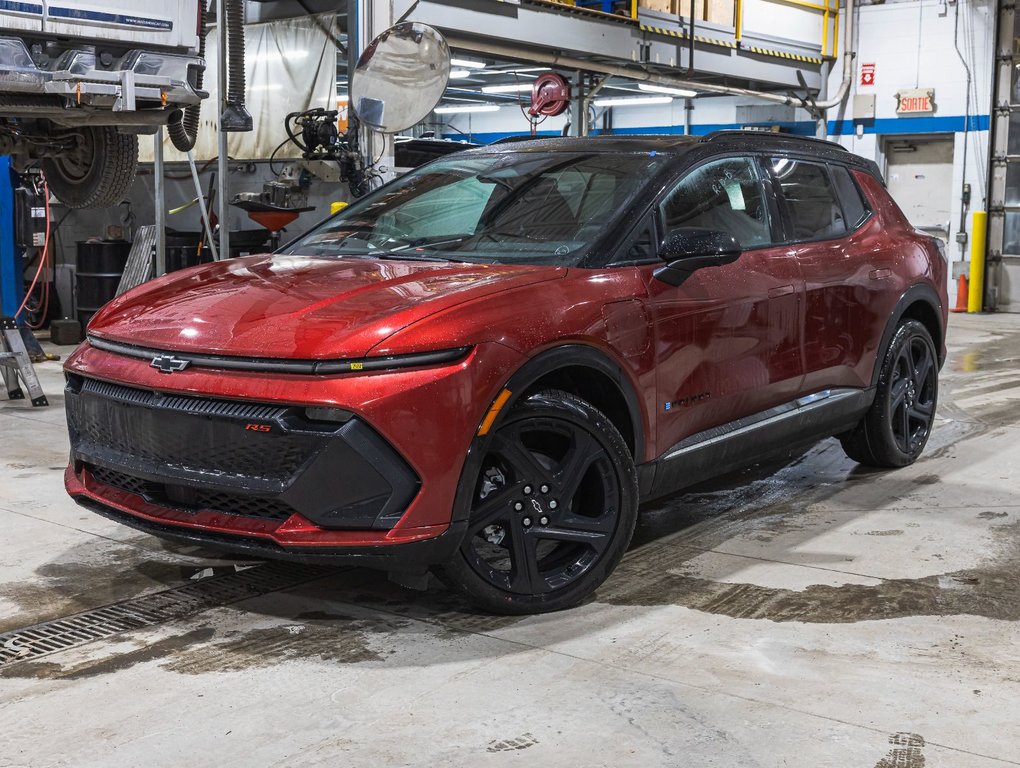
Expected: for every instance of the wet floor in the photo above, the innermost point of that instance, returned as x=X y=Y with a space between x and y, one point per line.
x=803 y=612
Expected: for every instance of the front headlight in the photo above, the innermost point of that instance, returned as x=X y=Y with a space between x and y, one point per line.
x=183 y=360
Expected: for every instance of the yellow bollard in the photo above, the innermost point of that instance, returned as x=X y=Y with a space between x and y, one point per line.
x=976 y=293
x=337 y=207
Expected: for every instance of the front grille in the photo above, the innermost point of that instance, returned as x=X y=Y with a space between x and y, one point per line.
x=184 y=432
x=248 y=459
x=192 y=499
x=186 y=403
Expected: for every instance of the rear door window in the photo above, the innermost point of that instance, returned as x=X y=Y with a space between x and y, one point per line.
x=854 y=208
x=811 y=203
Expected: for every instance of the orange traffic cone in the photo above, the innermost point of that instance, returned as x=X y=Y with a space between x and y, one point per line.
x=961 y=294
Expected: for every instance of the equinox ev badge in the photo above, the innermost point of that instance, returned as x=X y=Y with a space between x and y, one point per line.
x=169 y=363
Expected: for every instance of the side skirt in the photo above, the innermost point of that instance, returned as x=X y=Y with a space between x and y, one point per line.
x=745 y=441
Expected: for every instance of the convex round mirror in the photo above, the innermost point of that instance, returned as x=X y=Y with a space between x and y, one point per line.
x=400 y=77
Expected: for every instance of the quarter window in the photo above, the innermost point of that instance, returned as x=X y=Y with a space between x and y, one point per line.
x=854 y=209
x=724 y=195
x=815 y=213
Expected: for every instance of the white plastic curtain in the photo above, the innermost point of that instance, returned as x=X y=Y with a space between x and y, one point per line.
x=290 y=66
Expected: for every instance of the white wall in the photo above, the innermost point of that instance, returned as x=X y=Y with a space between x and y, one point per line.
x=911 y=45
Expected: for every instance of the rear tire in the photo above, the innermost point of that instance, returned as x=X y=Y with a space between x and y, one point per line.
x=896 y=428
x=98 y=173
x=553 y=508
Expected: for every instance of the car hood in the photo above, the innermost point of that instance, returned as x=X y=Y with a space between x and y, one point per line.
x=298 y=307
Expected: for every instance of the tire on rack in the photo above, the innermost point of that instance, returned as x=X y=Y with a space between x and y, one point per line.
x=895 y=429
x=98 y=172
x=553 y=508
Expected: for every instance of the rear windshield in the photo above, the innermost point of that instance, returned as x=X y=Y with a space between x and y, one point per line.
x=527 y=207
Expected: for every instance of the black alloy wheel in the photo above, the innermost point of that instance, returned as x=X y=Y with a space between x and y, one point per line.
x=553 y=508
x=912 y=395
x=896 y=428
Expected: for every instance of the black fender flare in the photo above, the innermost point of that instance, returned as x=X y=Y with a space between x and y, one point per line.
x=567 y=355
x=913 y=294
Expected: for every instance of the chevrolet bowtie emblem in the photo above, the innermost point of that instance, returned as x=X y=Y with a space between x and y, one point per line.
x=169 y=363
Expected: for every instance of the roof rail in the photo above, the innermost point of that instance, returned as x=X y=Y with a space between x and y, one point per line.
x=767 y=136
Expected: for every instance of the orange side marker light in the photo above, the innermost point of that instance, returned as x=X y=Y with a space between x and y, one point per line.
x=497 y=406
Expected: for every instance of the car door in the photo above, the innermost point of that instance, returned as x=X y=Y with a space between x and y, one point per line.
x=839 y=275
x=728 y=340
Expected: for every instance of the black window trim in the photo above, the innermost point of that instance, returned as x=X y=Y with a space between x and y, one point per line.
x=860 y=194
x=782 y=203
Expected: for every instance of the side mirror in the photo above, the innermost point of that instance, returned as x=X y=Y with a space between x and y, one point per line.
x=690 y=249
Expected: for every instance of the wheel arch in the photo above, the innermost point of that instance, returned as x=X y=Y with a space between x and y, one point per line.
x=543 y=369
x=590 y=374
x=919 y=302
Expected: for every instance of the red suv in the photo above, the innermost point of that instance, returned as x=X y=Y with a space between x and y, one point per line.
x=484 y=366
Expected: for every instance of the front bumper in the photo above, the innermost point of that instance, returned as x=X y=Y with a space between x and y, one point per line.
x=140 y=80
x=410 y=428
x=297 y=540
x=253 y=461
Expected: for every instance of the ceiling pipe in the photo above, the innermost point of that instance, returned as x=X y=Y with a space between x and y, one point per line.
x=568 y=62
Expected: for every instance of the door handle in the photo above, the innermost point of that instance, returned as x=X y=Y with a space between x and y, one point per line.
x=781 y=290
x=880 y=274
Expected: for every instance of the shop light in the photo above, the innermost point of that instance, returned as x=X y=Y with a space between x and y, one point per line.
x=512 y=88
x=466 y=108
x=671 y=91
x=467 y=63
x=459 y=74
x=633 y=101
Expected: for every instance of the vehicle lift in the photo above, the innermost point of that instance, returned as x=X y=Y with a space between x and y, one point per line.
x=15 y=361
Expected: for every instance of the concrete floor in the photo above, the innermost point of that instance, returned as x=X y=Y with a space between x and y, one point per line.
x=806 y=613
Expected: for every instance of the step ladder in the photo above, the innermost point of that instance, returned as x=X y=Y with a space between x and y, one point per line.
x=14 y=362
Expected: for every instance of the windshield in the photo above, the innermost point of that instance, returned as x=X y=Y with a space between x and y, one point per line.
x=511 y=208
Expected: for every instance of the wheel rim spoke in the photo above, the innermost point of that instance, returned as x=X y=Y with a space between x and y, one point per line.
x=494 y=509
x=523 y=461
x=904 y=422
x=524 y=556
x=897 y=392
x=584 y=451
x=922 y=367
x=592 y=538
x=921 y=411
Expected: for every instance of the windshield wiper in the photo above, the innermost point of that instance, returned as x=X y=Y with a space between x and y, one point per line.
x=407 y=256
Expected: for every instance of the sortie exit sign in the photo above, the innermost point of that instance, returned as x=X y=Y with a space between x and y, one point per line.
x=915 y=101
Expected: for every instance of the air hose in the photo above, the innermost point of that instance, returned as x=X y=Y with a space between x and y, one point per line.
x=184 y=130
x=235 y=116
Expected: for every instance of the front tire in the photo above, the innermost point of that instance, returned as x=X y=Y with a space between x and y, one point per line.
x=553 y=508
x=98 y=172
x=896 y=428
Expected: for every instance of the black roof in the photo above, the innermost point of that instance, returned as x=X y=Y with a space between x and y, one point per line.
x=606 y=143
x=722 y=141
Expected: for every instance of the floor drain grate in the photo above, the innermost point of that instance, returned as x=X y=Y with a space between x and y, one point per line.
x=148 y=610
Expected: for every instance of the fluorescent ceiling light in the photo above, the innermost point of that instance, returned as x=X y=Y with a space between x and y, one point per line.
x=459 y=74
x=514 y=88
x=632 y=101
x=663 y=89
x=467 y=63
x=466 y=108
